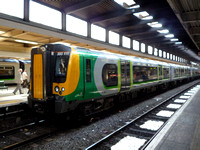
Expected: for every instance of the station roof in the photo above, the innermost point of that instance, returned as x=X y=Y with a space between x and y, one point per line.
x=180 y=17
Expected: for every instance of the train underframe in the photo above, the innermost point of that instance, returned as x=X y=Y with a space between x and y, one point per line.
x=57 y=104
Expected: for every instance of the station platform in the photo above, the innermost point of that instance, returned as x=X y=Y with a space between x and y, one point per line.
x=7 y=98
x=182 y=132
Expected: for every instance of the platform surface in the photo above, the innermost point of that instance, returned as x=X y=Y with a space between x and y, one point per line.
x=7 y=98
x=182 y=132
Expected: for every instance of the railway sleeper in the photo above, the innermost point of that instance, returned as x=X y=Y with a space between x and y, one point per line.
x=142 y=132
x=159 y=118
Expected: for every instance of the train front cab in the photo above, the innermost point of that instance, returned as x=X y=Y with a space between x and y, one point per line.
x=44 y=61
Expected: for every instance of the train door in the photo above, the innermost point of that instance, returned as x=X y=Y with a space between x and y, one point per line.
x=125 y=75
x=37 y=80
x=88 y=80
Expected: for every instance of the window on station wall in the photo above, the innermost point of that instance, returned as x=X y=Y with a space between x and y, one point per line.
x=12 y=7
x=167 y=55
x=164 y=54
x=45 y=15
x=126 y=42
x=176 y=58
x=155 y=51
x=113 y=38
x=98 y=33
x=171 y=56
x=160 y=53
x=143 y=47
x=150 y=50
x=73 y=25
x=136 y=45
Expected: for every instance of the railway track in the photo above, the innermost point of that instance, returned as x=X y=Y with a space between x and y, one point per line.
x=25 y=134
x=139 y=132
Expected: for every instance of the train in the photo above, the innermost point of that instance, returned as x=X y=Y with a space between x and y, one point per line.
x=65 y=79
x=9 y=69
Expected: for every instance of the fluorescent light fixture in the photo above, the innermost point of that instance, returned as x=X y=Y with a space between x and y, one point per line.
x=1 y=32
x=169 y=36
x=27 y=42
x=163 y=31
x=125 y=2
x=174 y=40
x=177 y=43
x=155 y=25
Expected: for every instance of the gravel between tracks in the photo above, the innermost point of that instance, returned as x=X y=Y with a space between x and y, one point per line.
x=81 y=137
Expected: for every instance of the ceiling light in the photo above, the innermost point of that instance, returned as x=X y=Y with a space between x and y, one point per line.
x=27 y=42
x=163 y=31
x=178 y=43
x=169 y=36
x=1 y=32
x=173 y=40
x=155 y=25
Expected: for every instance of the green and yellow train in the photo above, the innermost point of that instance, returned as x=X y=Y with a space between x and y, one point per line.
x=65 y=79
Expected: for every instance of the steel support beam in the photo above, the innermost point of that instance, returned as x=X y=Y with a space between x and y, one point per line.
x=190 y=16
x=64 y=21
x=194 y=31
x=26 y=10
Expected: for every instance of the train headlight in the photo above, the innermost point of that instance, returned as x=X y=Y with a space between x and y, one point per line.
x=57 y=89
x=63 y=89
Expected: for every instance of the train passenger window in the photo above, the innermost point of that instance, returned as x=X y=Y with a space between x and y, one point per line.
x=176 y=72
x=61 y=66
x=88 y=70
x=166 y=73
x=7 y=72
x=182 y=72
x=144 y=73
x=110 y=75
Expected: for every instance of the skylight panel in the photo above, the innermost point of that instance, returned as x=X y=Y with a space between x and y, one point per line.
x=169 y=36
x=134 y=7
x=143 y=15
x=147 y=18
x=163 y=31
x=155 y=24
x=178 y=43
x=125 y=2
x=174 y=40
